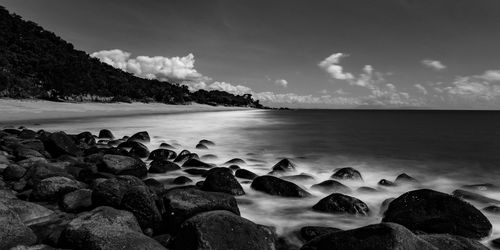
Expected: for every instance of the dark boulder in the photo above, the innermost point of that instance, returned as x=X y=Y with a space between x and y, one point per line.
x=367 y=190
x=13 y=232
x=162 y=166
x=405 y=179
x=60 y=143
x=452 y=242
x=222 y=230
x=386 y=183
x=492 y=209
x=123 y=165
x=234 y=167
x=76 y=201
x=105 y=133
x=110 y=192
x=182 y=158
x=162 y=154
x=28 y=212
x=245 y=174
x=235 y=161
x=222 y=180
x=140 y=136
x=467 y=195
x=85 y=139
x=141 y=202
x=387 y=236
x=276 y=186
x=201 y=146
x=49 y=230
x=435 y=212
x=195 y=163
x=331 y=186
x=207 y=142
x=163 y=239
x=347 y=174
x=496 y=242
x=166 y=146
x=385 y=205
x=155 y=186
x=195 y=171
x=52 y=188
x=283 y=166
x=340 y=203
x=22 y=153
x=27 y=134
x=139 y=150
x=310 y=232
x=13 y=172
x=184 y=202
x=482 y=187
x=302 y=177
x=181 y=180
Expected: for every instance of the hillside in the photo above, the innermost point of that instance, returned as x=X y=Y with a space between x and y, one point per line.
x=35 y=63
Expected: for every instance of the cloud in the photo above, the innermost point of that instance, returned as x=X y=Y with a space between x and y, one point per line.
x=491 y=75
x=156 y=67
x=433 y=64
x=331 y=65
x=221 y=86
x=281 y=82
x=421 y=89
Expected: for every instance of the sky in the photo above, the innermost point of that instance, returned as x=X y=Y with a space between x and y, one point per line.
x=440 y=54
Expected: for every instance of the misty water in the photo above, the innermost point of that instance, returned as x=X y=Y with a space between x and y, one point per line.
x=443 y=150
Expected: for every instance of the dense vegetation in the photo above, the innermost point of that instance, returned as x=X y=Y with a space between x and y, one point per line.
x=35 y=63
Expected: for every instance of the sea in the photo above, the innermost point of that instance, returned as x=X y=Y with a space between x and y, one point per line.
x=444 y=150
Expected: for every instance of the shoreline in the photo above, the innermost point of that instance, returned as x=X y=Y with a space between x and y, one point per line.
x=24 y=111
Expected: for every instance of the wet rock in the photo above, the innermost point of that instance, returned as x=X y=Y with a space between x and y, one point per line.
x=76 y=201
x=123 y=165
x=105 y=133
x=12 y=230
x=34 y=144
x=298 y=177
x=387 y=236
x=13 y=172
x=162 y=166
x=7 y=194
x=184 y=202
x=283 y=166
x=209 y=157
x=222 y=230
x=435 y=212
x=201 y=146
x=207 y=142
x=110 y=192
x=234 y=167
x=85 y=139
x=235 y=161
x=28 y=212
x=35 y=247
x=467 y=195
x=140 y=137
x=163 y=239
x=331 y=186
x=181 y=180
x=482 y=187
x=340 y=203
x=139 y=150
x=222 y=180
x=49 y=230
x=194 y=163
x=23 y=153
x=60 y=143
x=405 y=179
x=196 y=171
x=385 y=205
x=182 y=158
x=141 y=202
x=386 y=183
x=155 y=186
x=347 y=174
x=367 y=190
x=452 y=242
x=496 y=242
x=27 y=134
x=53 y=188
x=276 y=186
x=106 y=228
x=162 y=154
x=245 y=174
x=166 y=146
x=492 y=209
x=310 y=232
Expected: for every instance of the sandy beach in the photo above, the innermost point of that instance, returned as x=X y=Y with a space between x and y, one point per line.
x=16 y=111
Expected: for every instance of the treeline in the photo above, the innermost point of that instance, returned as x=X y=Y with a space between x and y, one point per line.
x=35 y=63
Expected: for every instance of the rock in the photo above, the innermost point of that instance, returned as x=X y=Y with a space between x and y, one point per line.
x=386 y=183
x=13 y=172
x=347 y=174
x=276 y=186
x=7 y=194
x=139 y=150
x=235 y=161
x=123 y=165
x=49 y=231
x=201 y=146
x=28 y=212
x=282 y=166
x=34 y=144
x=105 y=133
x=106 y=228
x=452 y=242
x=245 y=174
x=162 y=154
x=142 y=136
x=76 y=201
x=195 y=171
x=209 y=157
x=53 y=188
x=339 y=203
x=331 y=186
x=163 y=239
x=482 y=187
x=387 y=236
x=234 y=167
x=222 y=180
x=27 y=134
x=194 y=163
x=141 y=202
x=182 y=158
x=162 y=166
x=496 y=242
x=385 y=205
x=367 y=190
x=435 y=212
x=154 y=185
x=467 y=195
x=181 y=180
x=23 y=153
x=311 y=232
x=110 y=192
x=492 y=209
x=12 y=230
x=166 y=146
x=182 y=203
x=222 y=230
x=35 y=247
x=207 y=142
x=298 y=177
x=60 y=143
x=405 y=179
x=85 y=139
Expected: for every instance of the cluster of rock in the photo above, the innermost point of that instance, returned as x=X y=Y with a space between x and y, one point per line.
x=62 y=191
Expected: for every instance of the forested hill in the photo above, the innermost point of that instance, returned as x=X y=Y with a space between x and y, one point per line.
x=35 y=63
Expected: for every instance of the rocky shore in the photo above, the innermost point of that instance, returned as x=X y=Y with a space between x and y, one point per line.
x=85 y=191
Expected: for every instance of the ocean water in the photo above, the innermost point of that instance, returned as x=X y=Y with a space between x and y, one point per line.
x=442 y=149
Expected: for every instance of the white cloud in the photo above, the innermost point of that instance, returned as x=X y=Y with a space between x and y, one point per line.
x=156 y=67
x=433 y=64
x=491 y=75
x=281 y=82
x=331 y=65
x=421 y=89
x=233 y=89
